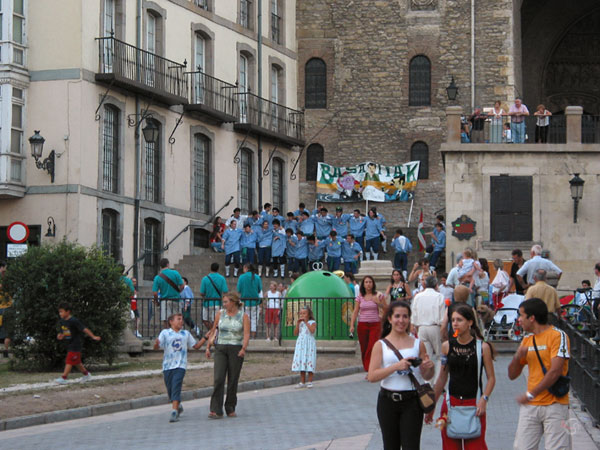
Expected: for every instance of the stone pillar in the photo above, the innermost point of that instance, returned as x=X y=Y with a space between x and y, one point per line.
x=453 y=114
x=574 y=114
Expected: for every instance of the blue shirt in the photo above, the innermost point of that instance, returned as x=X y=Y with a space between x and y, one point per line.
x=373 y=228
x=208 y=290
x=307 y=226
x=315 y=252
x=402 y=244
x=298 y=213
x=340 y=224
x=175 y=345
x=357 y=226
x=249 y=240
x=266 y=217
x=256 y=224
x=440 y=244
x=279 y=243
x=165 y=290
x=265 y=238
x=278 y=217
x=186 y=293
x=301 y=248
x=383 y=221
x=349 y=251
x=290 y=224
x=232 y=240
x=290 y=250
x=322 y=224
x=334 y=247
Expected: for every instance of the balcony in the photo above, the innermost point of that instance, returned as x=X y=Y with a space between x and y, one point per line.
x=140 y=71
x=211 y=97
x=265 y=118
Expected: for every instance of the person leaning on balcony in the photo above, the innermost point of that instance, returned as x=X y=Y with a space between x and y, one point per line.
x=518 y=111
x=477 y=120
x=496 y=125
x=542 y=124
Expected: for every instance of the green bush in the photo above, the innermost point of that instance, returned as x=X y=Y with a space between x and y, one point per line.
x=69 y=273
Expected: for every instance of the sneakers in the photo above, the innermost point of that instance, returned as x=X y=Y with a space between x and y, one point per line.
x=138 y=334
x=309 y=385
x=60 y=380
x=197 y=330
x=173 y=417
x=179 y=410
x=268 y=339
x=300 y=386
x=87 y=377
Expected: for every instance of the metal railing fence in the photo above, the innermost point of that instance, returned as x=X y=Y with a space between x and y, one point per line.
x=502 y=131
x=212 y=92
x=590 y=129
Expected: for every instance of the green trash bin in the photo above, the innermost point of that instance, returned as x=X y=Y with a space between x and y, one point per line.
x=330 y=299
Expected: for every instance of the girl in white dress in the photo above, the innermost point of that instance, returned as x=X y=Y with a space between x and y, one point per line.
x=305 y=355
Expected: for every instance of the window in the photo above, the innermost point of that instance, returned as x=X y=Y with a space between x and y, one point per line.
x=201 y=174
x=110 y=149
x=201 y=4
x=18 y=21
x=419 y=81
x=315 y=84
x=277 y=184
x=314 y=155
x=110 y=237
x=274 y=97
x=109 y=17
x=246 y=180
x=151 y=248
x=16 y=167
x=246 y=13
x=200 y=66
x=16 y=132
x=420 y=152
x=275 y=22
x=510 y=208
x=152 y=169
x=243 y=87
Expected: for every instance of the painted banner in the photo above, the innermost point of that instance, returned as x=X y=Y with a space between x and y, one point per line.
x=367 y=181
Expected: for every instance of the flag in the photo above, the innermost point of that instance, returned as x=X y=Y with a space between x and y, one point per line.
x=420 y=234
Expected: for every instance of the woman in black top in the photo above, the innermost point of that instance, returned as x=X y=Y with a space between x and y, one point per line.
x=397 y=289
x=459 y=362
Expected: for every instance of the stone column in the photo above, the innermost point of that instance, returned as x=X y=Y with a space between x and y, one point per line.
x=574 y=114
x=453 y=114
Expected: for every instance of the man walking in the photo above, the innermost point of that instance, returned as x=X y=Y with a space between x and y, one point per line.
x=212 y=288
x=546 y=293
x=169 y=284
x=546 y=353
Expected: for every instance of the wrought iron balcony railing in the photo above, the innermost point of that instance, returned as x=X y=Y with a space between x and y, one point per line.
x=141 y=71
x=211 y=96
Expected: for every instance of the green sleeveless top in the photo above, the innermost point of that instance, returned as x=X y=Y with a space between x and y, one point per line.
x=231 y=329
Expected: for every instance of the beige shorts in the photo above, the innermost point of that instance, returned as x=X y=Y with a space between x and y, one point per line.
x=168 y=308
x=209 y=313
x=550 y=421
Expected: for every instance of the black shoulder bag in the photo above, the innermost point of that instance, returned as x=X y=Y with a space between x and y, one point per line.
x=561 y=387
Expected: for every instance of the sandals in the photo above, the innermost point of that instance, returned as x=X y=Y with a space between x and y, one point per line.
x=232 y=414
x=214 y=415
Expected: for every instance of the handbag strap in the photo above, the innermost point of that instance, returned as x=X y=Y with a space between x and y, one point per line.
x=400 y=358
x=169 y=281
x=479 y=354
x=538 y=356
x=214 y=285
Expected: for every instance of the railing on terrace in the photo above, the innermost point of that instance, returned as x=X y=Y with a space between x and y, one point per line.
x=590 y=129
x=584 y=369
x=270 y=116
x=504 y=131
x=213 y=93
x=333 y=316
x=140 y=67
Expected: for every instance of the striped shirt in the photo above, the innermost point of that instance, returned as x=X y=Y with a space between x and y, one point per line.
x=368 y=309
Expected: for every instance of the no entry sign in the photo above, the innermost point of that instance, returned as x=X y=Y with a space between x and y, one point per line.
x=17 y=232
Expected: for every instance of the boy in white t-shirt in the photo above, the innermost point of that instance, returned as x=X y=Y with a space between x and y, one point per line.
x=273 y=305
x=175 y=341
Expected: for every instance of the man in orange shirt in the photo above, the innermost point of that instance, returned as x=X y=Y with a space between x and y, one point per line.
x=541 y=412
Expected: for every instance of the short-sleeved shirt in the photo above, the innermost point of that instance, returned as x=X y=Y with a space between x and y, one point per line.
x=521 y=109
x=249 y=286
x=72 y=331
x=369 y=311
x=166 y=290
x=129 y=284
x=528 y=269
x=550 y=343
x=208 y=290
x=514 y=268
x=175 y=345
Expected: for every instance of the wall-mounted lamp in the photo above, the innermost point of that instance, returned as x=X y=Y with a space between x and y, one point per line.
x=51 y=227
x=576 y=193
x=452 y=90
x=37 y=147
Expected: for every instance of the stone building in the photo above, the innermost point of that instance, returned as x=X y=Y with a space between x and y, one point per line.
x=157 y=113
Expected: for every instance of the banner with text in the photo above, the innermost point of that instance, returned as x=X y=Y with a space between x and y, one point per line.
x=367 y=181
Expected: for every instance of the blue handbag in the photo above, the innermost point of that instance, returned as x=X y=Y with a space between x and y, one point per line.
x=462 y=422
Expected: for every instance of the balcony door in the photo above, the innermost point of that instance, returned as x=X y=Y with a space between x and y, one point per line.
x=200 y=60
x=274 y=98
x=243 y=88
x=108 y=32
x=151 y=49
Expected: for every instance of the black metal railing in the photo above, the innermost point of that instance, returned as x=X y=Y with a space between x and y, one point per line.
x=584 y=369
x=141 y=67
x=270 y=116
x=590 y=129
x=333 y=316
x=212 y=92
x=503 y=131
x=276 y=28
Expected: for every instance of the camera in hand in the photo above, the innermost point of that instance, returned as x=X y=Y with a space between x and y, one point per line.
x=416 y=362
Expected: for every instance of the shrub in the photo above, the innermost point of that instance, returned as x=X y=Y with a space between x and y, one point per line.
x=83 y=277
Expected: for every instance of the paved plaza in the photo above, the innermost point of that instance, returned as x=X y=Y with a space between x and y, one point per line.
x=338 y=413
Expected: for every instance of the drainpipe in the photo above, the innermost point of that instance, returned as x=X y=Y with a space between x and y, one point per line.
x=472 y=55
x=138 y=151
x=259 y=92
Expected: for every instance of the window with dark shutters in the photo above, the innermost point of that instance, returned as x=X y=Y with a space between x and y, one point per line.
x=314 y=155
x=419 y=81
x=510 y=207
x=315 y=79
x=419 y=151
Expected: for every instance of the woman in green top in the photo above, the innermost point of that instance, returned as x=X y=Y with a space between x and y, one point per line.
x=250 y=287
x=233 y=335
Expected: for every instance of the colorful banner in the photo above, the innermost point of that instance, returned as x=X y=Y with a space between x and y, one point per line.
x=367 y=181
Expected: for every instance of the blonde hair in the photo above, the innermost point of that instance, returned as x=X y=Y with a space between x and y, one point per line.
x=233 y=297
x=468 y=253
x=273 y=283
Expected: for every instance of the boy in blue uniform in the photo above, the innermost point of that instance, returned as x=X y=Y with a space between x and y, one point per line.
x=357 y=228
x=322 y=223
x=315 y=252
x=351 y=252
x=265 y=241
x=333 y=244
x=300 y=210
x=248 y=244
x=301 y=250
x=175 y=341
x=290 y=250
x=339 y=223
x=277 y=216
x=231 y=243
x=278 y=249
x=373 y=233
x=402 y=246
x=290 y=222
x=306 y=224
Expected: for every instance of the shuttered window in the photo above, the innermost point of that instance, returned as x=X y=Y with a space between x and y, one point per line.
x=511 y=199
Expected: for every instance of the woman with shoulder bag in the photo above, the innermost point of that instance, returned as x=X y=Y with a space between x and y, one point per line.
x=397 y=361
x=464 y=356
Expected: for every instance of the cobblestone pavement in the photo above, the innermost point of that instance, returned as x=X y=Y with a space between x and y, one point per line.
x=336 y=414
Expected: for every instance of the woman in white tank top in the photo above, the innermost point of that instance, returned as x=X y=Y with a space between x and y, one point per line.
x=398 y=411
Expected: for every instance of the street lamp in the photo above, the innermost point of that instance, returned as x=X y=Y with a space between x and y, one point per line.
x=452 y=90
x=576 y=193
x=150 y=132
x=37 y=147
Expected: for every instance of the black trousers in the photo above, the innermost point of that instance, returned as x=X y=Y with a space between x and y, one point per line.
x=227 y=364
x=400 y=422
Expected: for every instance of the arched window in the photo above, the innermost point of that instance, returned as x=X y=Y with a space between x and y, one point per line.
x=110 y=236
x=314 y=155
x=152 y=169
x=110 y=149
x=246 y=181
x=420 y=152
x=277 y=184
x=201 y=174
x=419 y=81
x=315 y=84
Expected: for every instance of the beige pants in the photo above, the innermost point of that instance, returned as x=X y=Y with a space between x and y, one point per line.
x=551 y=421
x=431 y=337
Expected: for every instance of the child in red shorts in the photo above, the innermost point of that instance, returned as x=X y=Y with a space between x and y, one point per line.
x=71 y=331
x=273 y=308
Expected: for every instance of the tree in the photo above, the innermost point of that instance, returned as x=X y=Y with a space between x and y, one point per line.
x=83 y=277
